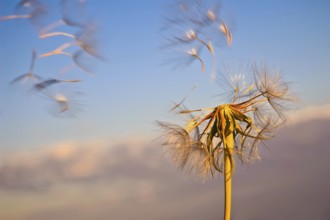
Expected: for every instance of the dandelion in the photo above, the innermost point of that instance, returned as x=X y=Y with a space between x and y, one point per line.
x=210 y=141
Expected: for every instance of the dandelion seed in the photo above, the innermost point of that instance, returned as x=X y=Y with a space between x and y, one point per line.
x=79 y=59
x=193 y=52
x=29 y=75
x=46 y=35
x=59 y=23
x=191 y=35
x=62 y=102
x=211 y=15
x=224 y=29
x=9 y=17
x=59 y=50
x=85 y=40
x=191 y=25
x=207 y=12
x=273 y=88
x=49 y=82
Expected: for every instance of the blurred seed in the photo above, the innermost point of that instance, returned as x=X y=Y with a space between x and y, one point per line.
x=224 y=29
x=59 y=50
x=49 y=82
x=193 y=52
x=46 y=35
x=62 y=102
x=29 y=75
x=9 y=17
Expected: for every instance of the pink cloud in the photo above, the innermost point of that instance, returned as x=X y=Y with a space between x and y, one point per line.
x=99 y=180
x=309 y=113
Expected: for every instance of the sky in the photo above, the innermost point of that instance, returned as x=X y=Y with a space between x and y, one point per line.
x=112 y=119
x=137 y=85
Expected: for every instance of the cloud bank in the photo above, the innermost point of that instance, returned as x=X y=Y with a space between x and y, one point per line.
x=96 y=180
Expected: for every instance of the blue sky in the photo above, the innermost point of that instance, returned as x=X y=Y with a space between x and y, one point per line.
x=54 y=166
x=134 y=88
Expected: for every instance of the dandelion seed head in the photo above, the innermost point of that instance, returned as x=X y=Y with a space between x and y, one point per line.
x=253 y=116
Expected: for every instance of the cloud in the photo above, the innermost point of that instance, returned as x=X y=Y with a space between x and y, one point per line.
x=309 y=113
x=69 y=161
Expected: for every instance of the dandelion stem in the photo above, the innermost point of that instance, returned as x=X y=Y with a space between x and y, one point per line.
x=228 y=173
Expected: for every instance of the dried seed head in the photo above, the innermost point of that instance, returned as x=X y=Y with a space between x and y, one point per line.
x=250 y=120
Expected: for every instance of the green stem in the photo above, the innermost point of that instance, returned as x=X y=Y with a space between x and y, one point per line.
x=228 y=173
